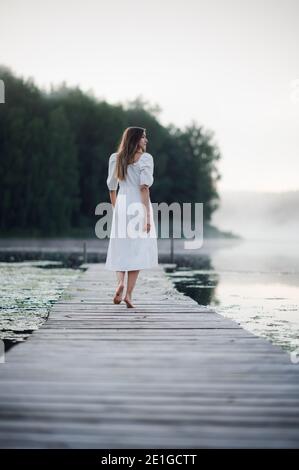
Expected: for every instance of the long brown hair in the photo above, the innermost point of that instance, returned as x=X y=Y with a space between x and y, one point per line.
x=127 y=149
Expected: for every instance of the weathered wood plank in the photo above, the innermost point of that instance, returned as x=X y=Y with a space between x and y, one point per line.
x=169 y=373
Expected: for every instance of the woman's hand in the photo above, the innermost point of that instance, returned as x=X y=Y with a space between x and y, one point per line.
x=147 y=224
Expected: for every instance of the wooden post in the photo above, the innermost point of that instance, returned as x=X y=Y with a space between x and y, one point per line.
x=84 y=252
x=171 y=249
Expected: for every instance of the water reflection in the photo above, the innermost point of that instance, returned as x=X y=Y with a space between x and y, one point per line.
x=199 y=285
x=254 y=283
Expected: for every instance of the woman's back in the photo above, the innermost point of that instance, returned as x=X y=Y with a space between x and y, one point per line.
x=138 y=173
x=133 y=238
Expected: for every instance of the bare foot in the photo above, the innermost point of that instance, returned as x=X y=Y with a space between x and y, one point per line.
x=118 y=294
x=128 y=301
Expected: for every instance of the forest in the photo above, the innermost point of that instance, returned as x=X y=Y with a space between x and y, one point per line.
x=54 y=151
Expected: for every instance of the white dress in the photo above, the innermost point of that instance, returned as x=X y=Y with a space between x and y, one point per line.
x=130 y=247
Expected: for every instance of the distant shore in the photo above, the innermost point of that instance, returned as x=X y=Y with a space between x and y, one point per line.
x=74 y=251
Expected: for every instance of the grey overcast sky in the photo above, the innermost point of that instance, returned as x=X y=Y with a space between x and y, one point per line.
x=231 y=65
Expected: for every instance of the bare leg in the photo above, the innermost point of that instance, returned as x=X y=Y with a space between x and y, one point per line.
x=120 y=287
x=121 y=277
x=132 y=278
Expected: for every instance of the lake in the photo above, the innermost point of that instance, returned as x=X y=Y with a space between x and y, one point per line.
x=28 y=290
x=254 y=282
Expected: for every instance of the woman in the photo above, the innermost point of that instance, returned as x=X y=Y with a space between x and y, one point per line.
x=133 y=239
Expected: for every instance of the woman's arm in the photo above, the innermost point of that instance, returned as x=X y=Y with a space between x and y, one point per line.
x=145 y=197
x=113 y=197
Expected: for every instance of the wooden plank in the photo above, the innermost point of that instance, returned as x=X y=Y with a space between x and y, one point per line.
x=170 y=373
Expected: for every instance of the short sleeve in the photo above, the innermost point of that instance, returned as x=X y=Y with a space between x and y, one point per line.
x=146 y=169
x=112 y=181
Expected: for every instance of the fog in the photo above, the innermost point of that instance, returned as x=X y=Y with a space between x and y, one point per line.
x=258 y=215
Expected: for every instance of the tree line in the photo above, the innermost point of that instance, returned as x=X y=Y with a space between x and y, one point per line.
x=54 y=150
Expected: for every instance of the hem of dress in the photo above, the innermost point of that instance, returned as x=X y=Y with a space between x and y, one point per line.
x=109 y=268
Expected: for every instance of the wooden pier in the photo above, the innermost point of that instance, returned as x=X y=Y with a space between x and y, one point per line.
x=168 y=374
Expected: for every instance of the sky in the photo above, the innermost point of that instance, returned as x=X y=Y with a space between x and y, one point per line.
x=230 y=65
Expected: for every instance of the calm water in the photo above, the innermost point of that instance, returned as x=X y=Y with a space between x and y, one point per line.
x=28 y=289
x=255 y=283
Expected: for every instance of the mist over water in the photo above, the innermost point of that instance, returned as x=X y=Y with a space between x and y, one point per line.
x=258 y=215
x=255 y=280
